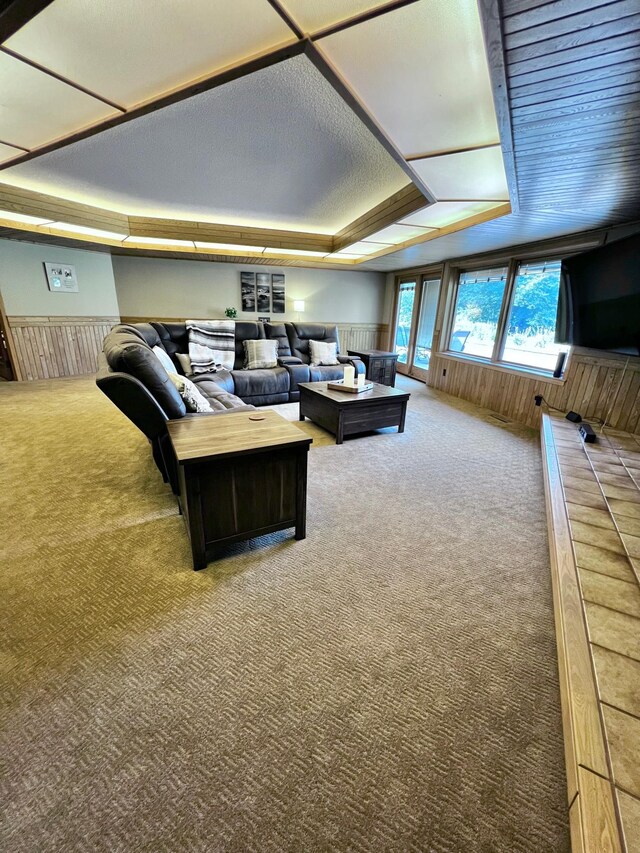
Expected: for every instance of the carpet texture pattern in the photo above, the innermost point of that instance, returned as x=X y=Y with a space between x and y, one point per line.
x=388 y=684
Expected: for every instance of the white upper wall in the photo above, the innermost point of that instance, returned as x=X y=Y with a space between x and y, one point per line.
x=24 y=288
x=154 y=287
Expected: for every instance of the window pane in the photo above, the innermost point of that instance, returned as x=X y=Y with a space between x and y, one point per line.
x=426 y=323
x=532 y=319
x=478 y=304
x=405 y=313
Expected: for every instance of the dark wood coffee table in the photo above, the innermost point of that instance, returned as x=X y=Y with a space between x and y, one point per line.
x=239 y=478
x=344 y=413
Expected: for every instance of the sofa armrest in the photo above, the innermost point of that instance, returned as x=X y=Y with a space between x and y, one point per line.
x=355 y=361
x=284 y=360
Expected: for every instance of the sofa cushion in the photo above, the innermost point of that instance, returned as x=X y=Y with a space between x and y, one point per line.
x=301 y=333
x=325 y=373
x=184 y=363
x=246 y=330
x=323 y=352
x=164 y=359
x=217 y=396
x=260 y=354
x=278 y=332
x=251 y=383
x=194 y=400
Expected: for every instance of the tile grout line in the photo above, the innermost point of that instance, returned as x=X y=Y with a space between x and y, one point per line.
x=609 y=649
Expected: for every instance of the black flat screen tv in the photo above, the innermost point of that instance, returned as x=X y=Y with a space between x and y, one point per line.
x=600 y=298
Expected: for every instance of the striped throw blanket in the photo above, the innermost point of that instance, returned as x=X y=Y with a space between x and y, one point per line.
x=212 y=345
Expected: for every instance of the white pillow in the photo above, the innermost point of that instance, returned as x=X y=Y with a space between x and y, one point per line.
x=260 y=354
x=185 y=363
x=323 y=352
x=194 y=400
x=164 y=359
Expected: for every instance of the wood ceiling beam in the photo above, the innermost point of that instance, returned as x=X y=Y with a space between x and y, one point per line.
x=340 y=85
x=400 y=204
x=17 y=13
x=195 y=87
x=208 y=232
x=476 y=219
x=286 y=17
x=491 y=21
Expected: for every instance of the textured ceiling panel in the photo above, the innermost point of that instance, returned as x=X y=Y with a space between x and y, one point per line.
x=468 y=175
x=129 y=51
x=278 y=149
x=444 y=213
x=8 y=151
x=36 y=108
x=422 y=72
x=312 y=15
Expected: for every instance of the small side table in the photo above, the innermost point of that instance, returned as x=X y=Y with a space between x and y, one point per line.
x=380 y=365
x=239 y=478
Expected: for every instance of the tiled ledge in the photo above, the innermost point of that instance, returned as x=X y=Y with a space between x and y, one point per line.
x=593 y=511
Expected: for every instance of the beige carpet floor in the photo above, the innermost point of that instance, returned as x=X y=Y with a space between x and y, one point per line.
x=388 y=684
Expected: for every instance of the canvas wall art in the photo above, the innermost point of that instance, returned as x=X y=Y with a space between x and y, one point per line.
x=277 y=293
x=248 y=291
x=264 y=291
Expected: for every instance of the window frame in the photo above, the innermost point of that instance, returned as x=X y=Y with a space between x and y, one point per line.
x=497 y=356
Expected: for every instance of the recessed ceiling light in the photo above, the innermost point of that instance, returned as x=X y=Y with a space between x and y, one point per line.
x=22 y=217
x=233 y=247
x=297 y=252
x=159 y=241
x=92 y=232
x=347 y=256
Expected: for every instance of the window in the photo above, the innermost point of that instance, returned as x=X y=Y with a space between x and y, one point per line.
x=477 y=312
x=508 y=314
x=532 y=316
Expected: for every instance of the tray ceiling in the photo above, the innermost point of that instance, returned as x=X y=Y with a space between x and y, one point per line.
x=277 y=149
x=314 y=117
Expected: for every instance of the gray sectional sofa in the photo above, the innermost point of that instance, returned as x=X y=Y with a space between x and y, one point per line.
x=132 y=377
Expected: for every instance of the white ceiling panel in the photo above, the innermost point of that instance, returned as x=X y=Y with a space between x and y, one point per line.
x=422 y=72
x=36 y=108
x=469 y=175
x=8 y=152
x=313 y=15
x=131 y=51
x=444 y=213
x=397 y=234
x=278 y=149
x=363 y=247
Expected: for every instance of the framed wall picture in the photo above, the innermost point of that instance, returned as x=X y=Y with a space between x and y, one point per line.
x=248 y=291
x=264 y=291
x=61 y=278
x=277 y=293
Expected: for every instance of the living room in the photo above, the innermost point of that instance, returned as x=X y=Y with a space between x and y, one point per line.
x=356 y=336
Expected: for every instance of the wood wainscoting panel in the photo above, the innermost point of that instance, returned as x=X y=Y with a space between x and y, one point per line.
x=51 y=347
x=598 y=385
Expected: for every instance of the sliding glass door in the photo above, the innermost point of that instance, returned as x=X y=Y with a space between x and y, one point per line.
x=416 y=306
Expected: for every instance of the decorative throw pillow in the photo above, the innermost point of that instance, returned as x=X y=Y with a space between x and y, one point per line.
x=165 y=359
x=194 y=400
x=323 y=352
x=185 y=363
x=260 y=354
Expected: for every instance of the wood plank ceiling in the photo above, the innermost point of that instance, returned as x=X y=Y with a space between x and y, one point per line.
x=573 y=75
